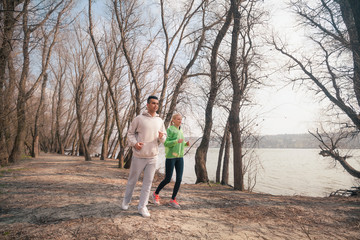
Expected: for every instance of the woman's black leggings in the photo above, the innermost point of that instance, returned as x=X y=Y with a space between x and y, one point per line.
x=178 y=163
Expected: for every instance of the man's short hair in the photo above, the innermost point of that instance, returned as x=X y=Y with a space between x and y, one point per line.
x=151 y=97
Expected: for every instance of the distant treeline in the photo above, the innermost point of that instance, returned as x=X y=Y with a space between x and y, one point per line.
x=289 y=141
x=299 y=141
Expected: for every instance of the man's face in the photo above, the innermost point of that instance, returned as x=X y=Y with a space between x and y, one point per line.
x=153 y=105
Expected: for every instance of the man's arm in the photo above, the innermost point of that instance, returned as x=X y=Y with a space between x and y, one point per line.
x=131 y=133
x=162 y=134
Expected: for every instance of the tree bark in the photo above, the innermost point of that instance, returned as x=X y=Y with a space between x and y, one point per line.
x=234 y=119
x=105 y=143
x=6 y=91
x=59 y=108
x=18 y=149
x=35 y=144
x=225 y=172
x=221 y=151
x=350 y=10
x=82 y=145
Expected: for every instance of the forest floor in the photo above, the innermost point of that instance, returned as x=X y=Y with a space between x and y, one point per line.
x=62 y=197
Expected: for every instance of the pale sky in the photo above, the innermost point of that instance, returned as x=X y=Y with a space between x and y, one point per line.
x=287 y=110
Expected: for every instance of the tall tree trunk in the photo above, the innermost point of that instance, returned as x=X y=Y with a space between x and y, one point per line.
x=6 y=91
x=225 y=172
x=201 y=151
x=234 y=119
x=19 y=145
x=121 y=157
x=350 y=10
x=220 y=156
x=74 y=145
x=105 y=143
x=83 y=150
x=128 y=158
x=18 y=149
x=35 y=143
x=59 y=143
x=78 y=102
x=28 y=27
x=221 y=151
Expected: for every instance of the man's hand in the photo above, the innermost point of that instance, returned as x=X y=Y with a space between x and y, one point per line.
x=161 y=134
x=139 y=145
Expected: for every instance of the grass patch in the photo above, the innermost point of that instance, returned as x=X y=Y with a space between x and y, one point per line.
x=7 y=171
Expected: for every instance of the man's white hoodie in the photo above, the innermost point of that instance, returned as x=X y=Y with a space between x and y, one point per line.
x=145 y=128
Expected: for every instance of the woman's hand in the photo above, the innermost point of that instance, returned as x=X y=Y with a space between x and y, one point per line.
x=180 y=140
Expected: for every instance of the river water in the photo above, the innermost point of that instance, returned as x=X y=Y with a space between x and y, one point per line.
x=283 y=171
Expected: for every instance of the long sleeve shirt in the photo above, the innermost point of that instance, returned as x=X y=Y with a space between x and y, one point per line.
x=145 y=128
x=173 y=149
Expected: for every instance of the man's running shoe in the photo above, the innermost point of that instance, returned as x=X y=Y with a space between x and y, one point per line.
x=124 y=205
x=174 y=203
x=156 y=199
x=144 y=212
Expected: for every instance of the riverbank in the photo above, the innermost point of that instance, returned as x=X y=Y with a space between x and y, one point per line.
x=62 y=197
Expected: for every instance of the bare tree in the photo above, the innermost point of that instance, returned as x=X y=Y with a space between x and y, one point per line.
x=29 y=27
x=9 y=18
x=59 y=69
x=177 y=35
x=124 y=57
x=224 y=157
x=129 y=26
x=49 y=40
x=225 y=168
x=35 y=150
x=201 y=151
x=105 y=144
x=82 y=71
x=221 y=151
x=335 y=32
x=59 y=132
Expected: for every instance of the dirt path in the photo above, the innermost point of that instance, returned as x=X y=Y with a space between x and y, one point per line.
x=58 y=197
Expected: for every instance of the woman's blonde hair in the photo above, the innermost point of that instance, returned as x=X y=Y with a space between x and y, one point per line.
x=173 y=117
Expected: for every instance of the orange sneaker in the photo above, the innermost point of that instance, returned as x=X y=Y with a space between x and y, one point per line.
x=174 y=203
x=156 y=199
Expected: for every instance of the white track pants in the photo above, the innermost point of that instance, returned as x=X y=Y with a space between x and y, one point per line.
x=148 y=165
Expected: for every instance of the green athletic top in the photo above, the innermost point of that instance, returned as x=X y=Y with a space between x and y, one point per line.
x=173 y=149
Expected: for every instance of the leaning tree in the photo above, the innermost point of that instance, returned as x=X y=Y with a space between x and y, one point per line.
x=331 y=69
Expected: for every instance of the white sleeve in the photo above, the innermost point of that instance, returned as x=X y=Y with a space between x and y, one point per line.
x=131 y=135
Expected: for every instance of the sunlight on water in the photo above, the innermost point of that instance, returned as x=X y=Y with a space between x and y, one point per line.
x=284 y=171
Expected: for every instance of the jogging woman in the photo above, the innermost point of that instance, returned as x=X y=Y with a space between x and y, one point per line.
x=174 y=152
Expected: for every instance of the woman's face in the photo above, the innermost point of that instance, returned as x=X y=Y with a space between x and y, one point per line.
x=177 y=120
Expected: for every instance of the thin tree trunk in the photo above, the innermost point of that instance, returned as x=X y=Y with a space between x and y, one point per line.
x=82 y=144
x=74 y=145
x=121 y=157
x=221 y=152
x=105 y=143
x=225 y=172
x=35 y=143
x=58 y=139
x=234 y=120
